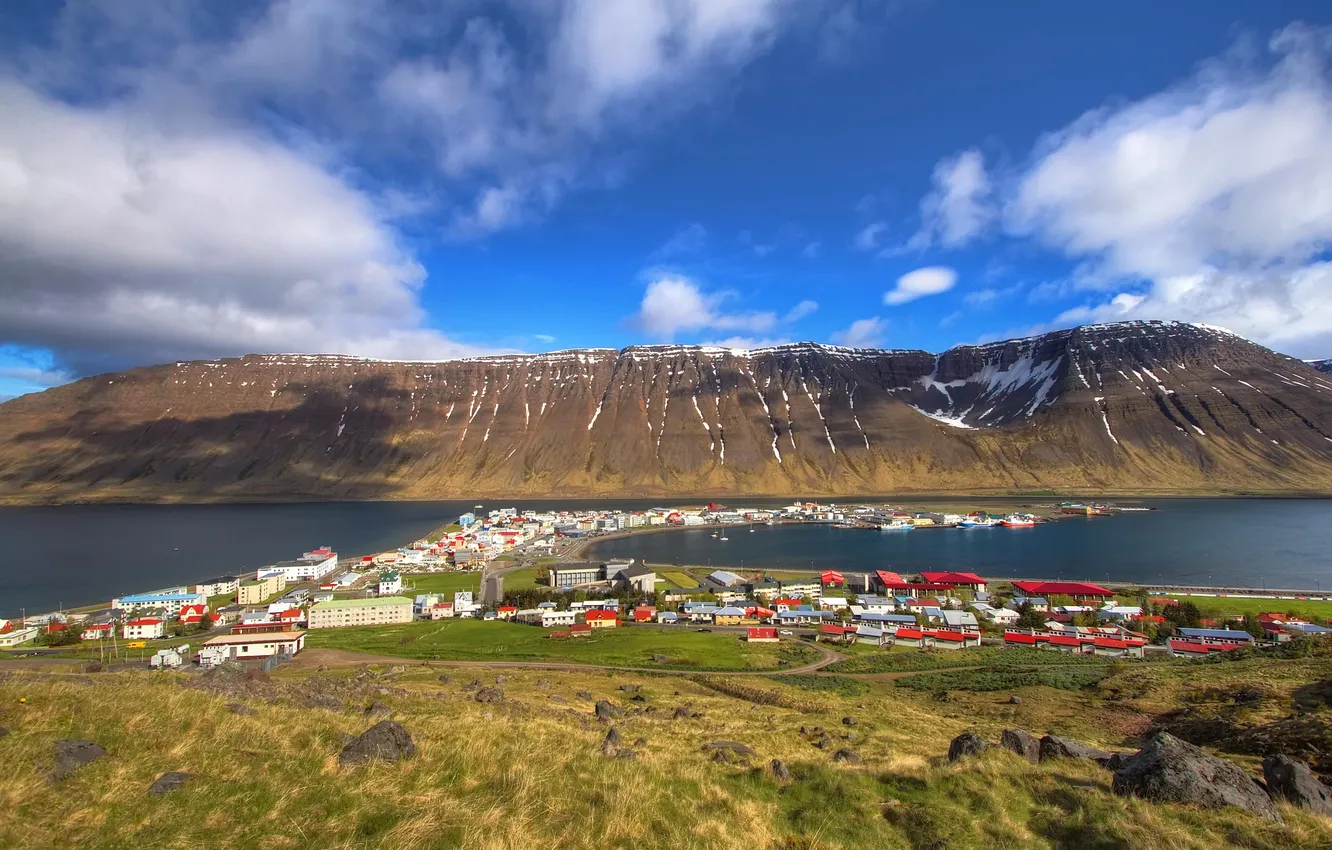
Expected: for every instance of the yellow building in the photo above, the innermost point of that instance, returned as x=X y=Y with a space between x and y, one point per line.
x=255 y=591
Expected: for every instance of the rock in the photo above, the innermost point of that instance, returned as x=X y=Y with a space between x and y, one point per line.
x=640 y=742
x=557 y=698
x=499 y=680
x=728 y=757
x=1052 y=746
x=446 y=679
x=627 y=755
x=387 y=740
x=323 y=668
x=1015 y=700
x=631 y=689
x=583 y=694
x=1169 y=770
x=966 y=744
x=661 y=659
x=1293 y=781
x=848 y=721
x=825 y=743
x=383 y=692
x=731 y=747
x=846 y=756
x=472 y=685
x=489 y=694
x=679 y=713
x=780 y=772
x=322 y=701
x=173 y=781
x=72 y=754
x=605 y=711
x=93 y=667
x=238 y=708
x=378 y=711
x=4 y=730
x=1023 y=743
x=541 y=683
x=611 y=743
x=1115 y=761
x=638 y=698
x=397 y=670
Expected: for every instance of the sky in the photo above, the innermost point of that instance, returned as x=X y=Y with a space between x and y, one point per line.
x=431 y=179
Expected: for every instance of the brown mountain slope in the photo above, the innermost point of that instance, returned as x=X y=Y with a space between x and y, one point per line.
x=1136 y=407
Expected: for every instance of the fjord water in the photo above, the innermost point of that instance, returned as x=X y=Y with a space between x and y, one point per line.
x=1273 y=543
x=84 y=554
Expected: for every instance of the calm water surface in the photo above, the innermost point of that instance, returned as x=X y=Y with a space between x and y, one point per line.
x=83 y=554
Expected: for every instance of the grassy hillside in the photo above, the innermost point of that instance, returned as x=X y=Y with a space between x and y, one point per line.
x=527 y=773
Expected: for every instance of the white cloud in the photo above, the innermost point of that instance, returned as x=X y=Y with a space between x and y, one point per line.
x=930 y=280
x=674 y=303
x=748 y=342
x=868 y=238
x=800 y=311
x=689 y=239
x=1216 y=193
x=959 y=207
x=863 y=333
x=544 y=339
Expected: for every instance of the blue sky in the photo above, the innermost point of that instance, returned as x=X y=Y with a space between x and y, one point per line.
x=436 y=179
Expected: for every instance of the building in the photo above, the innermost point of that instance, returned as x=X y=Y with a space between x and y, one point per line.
x=968 y=581
x=551 y=618
x=170 y=601
x=964 y=621
x=573 y=574
x=255 y=591
x=761 y=634
x=18 y=636
x=242 y=647
x=602 y=619
x=311 y=566
x=638 y=578
x=98 y=631
x=143 y=628
x=390 y=583
x=1081 y=592
x=218 y=586
x=1226 y=636
x=728 y=616
x=375 y=611
x=193 y=614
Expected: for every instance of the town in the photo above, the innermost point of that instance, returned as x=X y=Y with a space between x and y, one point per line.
x=266 y=617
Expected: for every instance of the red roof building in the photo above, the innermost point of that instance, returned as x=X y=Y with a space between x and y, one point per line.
x=1077 y=589
x=970 y=580
x=761 y=634
x=832 y=577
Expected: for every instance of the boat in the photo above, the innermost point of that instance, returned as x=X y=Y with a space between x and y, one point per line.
x=896 y=526
x=477 y=507
x=723 y=538
x=976 y=523
x=1017 y=521
x=752 y=530
x=714 y=534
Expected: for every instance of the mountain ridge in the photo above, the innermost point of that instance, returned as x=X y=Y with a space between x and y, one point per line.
x=1129 y=407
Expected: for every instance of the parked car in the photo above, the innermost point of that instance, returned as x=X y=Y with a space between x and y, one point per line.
x=786 y=633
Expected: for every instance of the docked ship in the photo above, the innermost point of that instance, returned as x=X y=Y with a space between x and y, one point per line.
x=1017 y=521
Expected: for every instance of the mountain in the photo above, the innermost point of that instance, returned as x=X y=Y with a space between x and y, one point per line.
x=1321 y=365
x=1133 y=407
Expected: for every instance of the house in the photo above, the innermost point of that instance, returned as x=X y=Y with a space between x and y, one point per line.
x=192 y=614
x=242 y=647
x=440 y=611
x=644 y=614
x=802 y=588
x=1213 y=636
x=969 y=581
x=964 y=621
x=804 y=616
x=833 y=603
x=218 y=586
x=143 y=628
x=98 y=631
x=873 y=635
x=255 y=591
x=373 y=611
x=390 y=583
x=998 y=616
x=832 y=578
x=506 y=612
x=722 y=578
x=1037 y=603
x=1112 y=647
x=579 y=630
x=1082 y=592
x=1119 y=613
x=1069 y=643
x=832 y=633
x=602 y=619
x=1184 y=648
x=913 y=637
x=761 y=634
x=291 y=615
x=953 y=639
x=637 y=578
x=574 y=574
x=311 y=566
x=551 y=619
x=728 y=616
x=667 y=617
x=876 y=604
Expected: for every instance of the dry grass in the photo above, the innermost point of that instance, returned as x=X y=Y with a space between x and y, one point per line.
x=526 y=773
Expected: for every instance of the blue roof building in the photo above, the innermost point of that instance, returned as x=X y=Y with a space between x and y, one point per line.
x=1228 y=635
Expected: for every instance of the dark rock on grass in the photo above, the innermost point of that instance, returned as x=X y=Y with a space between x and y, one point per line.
x=631 y=689
x=640 y=742
x=1023 y=743
x=472 y=685
x=1169 y=770
x=378 y=711
x=661 y=659
x=611 y=743
x=491 y=694
x=730 y=747
x=605 y=711
x=396 y=670
x=729 y=757
x=1015 y=700
x=93 y=667
x=4 y=730
x=825 y=743
x=239 y=708
x=1116 y=761
x=541 y=683
x=1293 y=781
x=446 y=679
x=848 y=721
x=847 y=756
x=72 y=754
x=638 y=698
x=499 y=680
x=385 y=741
x=173 y=781
x=583 y=694
x=1052 y=746
x=780 y=772
x=557 y=698
x=966 y=744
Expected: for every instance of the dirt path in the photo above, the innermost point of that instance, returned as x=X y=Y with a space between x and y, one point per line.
x=314 y=658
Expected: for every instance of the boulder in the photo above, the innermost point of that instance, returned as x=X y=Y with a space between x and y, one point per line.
x=846 y=756
x=173 y=781
x=848 y=721
x=72 y=754
x=1015 y=700
x=611 y=744
x=605 y=711
x=378 y=711
x=322 y=701
x=966 y=744
x=583 y=694
x=1169 y=770
x=679 y=713
x=631 y=689
x=1052 y=746
x=730 y=747
x=640 y=742
x=472 y=685
x=661 y=659
x=446 y=679
x=780 y=772
x=825 y=743
x=1023 y=743
x=4 y=730
x=499 y=680
x=387 y=740
x=1293 y=781
x=491 y=694
x=627 y=755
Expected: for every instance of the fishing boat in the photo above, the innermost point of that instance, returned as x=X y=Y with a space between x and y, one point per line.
x=714 y=534
x=723 y=538
x=896 y=526
x=1017 y=521
x=976 y=522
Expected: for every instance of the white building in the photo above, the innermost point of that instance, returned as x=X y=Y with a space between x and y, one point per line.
x=241 y=647
x=170 y=600
x=309 y=567
x=218 y=586
x=376 y=611
x=552 y=619
x=390 y=583
x=143 y=628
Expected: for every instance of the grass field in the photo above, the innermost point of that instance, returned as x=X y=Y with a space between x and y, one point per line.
x=631 y=646
x=678 y=578
x=452 y=582
x=526 y=772
x=1316 y=610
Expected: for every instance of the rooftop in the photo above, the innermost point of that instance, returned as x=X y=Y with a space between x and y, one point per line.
x=368 y=602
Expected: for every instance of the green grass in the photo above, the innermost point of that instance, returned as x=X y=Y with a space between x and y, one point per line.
x=452 y=582
x=627 y=646
x=841 y=685
x=1007 y=678
x=679 y=578
x=1316 y=610
x=910 y=660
